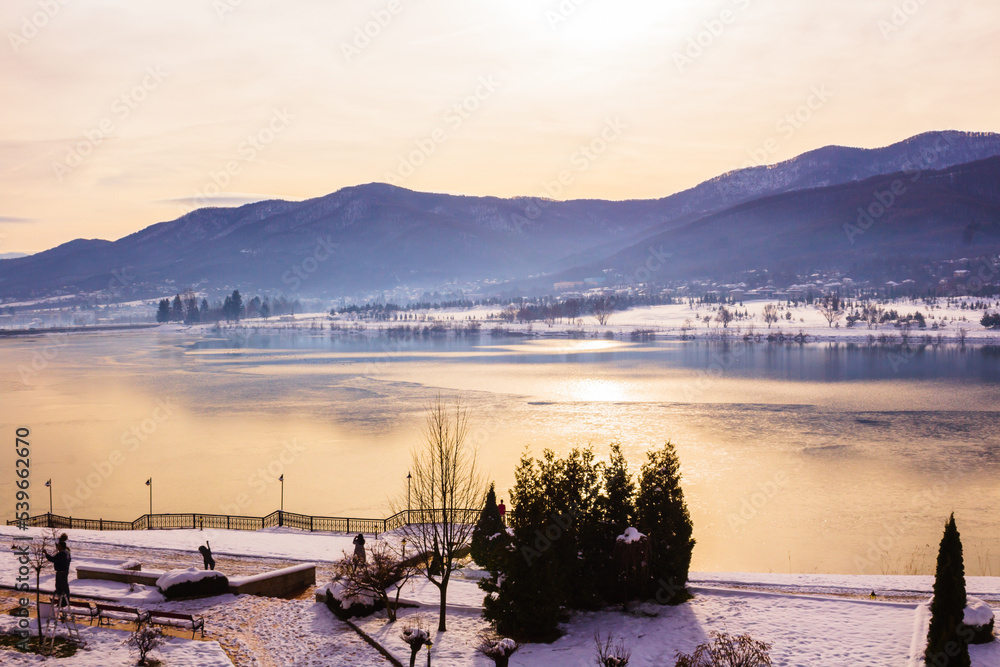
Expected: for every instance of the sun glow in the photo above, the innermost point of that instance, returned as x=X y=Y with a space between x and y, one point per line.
x=597 y=390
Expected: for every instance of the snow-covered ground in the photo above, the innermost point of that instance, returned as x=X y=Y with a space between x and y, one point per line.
x=810 y=619
x=672 y=321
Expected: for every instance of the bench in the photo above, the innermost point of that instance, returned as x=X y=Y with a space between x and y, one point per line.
x=178 y=620
x=82 y=608
x=107 y=612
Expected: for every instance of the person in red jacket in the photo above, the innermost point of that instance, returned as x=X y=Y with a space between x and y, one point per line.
x=503 y=512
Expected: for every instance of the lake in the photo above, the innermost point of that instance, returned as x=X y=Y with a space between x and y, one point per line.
x=802 y=458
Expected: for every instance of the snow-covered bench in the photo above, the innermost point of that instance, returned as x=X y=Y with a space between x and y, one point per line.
x=82 y=608
x=177 y=620
x=108 y=612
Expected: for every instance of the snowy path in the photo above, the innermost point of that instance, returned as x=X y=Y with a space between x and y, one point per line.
x=811 y=620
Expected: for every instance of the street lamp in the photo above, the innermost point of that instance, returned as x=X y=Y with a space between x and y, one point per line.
x=149 y=483
x=408 y=478
x=281 y=507
x=49 y=484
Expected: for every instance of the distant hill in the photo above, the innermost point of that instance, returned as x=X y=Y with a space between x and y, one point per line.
x=378 y=236
x=861 y=227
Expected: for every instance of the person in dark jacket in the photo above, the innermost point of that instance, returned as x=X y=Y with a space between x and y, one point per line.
x=60 y=562
x=359 y=549
x=206 y=554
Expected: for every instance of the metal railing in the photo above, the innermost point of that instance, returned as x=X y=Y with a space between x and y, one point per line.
x=305 y=522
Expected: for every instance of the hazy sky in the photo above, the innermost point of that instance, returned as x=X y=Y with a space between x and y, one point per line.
x=117 y=114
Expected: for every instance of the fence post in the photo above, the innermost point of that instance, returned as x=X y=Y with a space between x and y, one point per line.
x=281 y=518
x=100 y=524
x=194 y=522
x=310 y=523
x=227 y=522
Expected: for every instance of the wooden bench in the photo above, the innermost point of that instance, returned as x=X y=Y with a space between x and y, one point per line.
x=178 y=620
x=108 y=612
x=82 y=608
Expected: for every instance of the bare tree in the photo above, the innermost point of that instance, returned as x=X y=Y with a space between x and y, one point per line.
x=770 y=314
x=382 y=570
x=830 y=309
x=687 y=326
x=37 y=561
x=145 y=639
x=446 y=485
x=724 y=317
x=602 y=309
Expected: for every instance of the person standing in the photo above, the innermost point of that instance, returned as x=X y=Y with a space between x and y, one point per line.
x=206 y=554
x=60 y=563
x=359 y=549
x=503 y=512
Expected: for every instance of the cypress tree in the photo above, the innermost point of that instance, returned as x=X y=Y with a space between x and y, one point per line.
x=489 y=535
x=617 y=504
x=947 y=644
x=662 y=515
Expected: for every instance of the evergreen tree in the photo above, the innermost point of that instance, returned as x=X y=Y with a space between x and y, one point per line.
x=947 y=644
x=232 y=309
x=616 y=508
x=177 y=311
x=265 y=310
x=191 y=313
x=490 y=535
x=617 y=504
x=163 y=312
x=662 y=515
x=525 y=603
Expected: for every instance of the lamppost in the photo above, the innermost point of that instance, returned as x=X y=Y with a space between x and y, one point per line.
x=49 y=484
x=408 y=478
x=281 y=507
x=149 y=483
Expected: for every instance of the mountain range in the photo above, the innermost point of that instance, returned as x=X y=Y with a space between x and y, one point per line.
x=797 y=216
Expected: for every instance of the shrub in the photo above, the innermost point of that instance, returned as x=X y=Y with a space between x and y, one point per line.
x=727 y=651
x=977 y=622
x=611 y=653
x=145 y=639
x=346 y=603
x=416 y=637
x=497 y=648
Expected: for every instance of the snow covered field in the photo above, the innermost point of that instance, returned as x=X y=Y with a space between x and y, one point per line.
x=811 y=620
x=672 y=321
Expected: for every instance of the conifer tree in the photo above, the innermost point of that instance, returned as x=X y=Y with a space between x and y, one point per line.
x=947 y=644
x=617 y=503
x=662 y=515
x=490 y=535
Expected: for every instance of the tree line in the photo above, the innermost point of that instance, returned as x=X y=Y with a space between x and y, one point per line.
x=188 y=309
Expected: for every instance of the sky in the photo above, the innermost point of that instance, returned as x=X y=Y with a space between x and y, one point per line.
x=118 y=114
